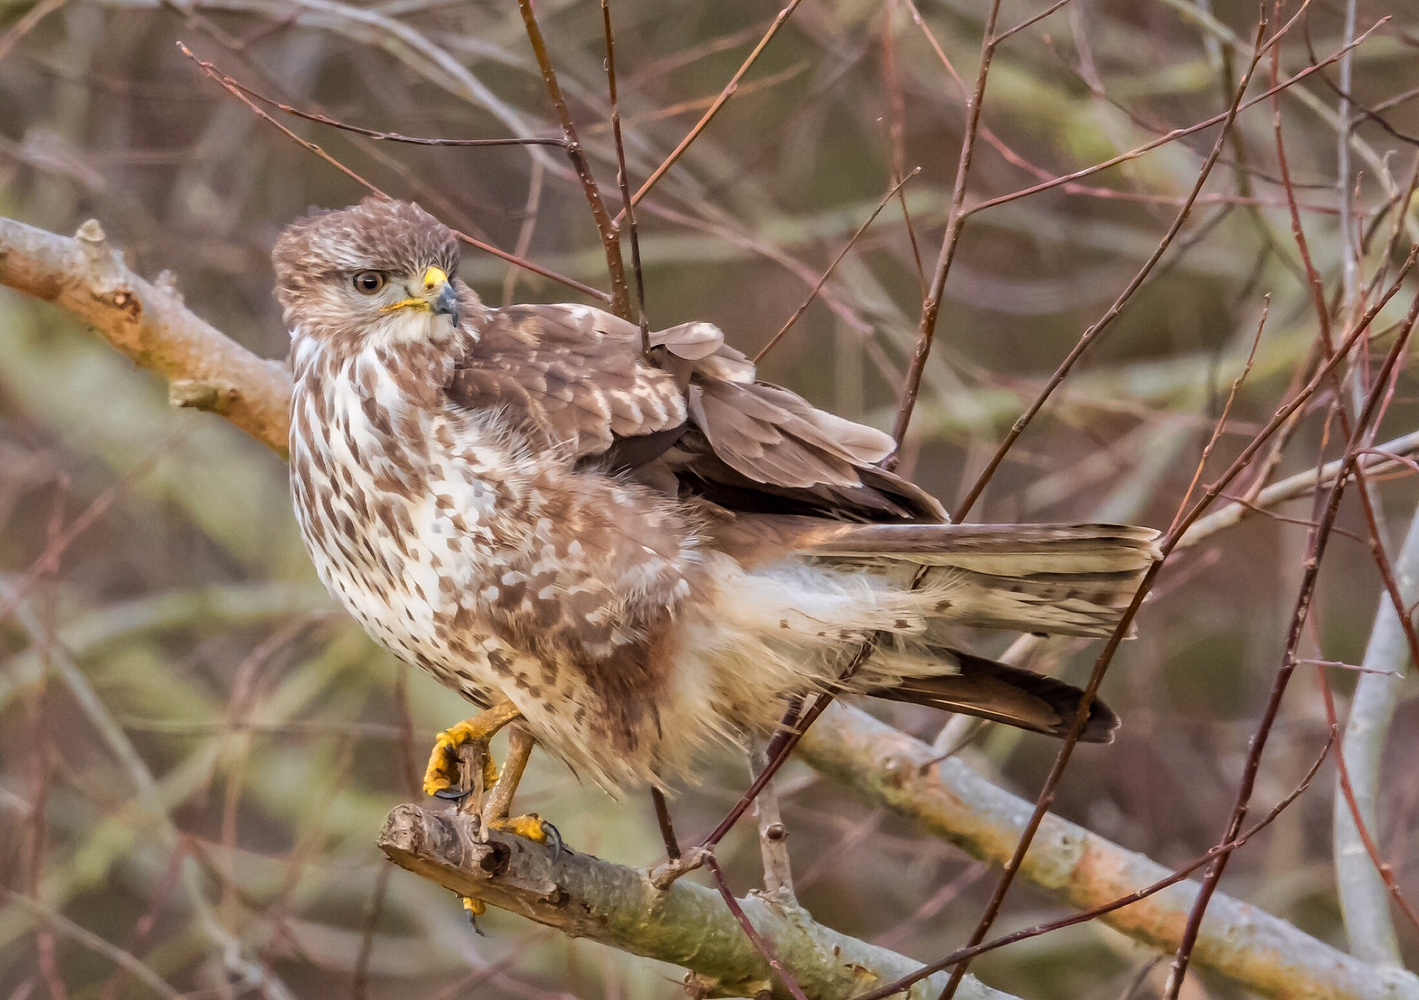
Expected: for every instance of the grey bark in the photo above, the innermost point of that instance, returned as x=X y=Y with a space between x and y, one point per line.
x=1364 y=897
x=688 y=924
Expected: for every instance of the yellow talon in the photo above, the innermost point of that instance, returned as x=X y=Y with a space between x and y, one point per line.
x=475 y=907
x=443 y=772
x=529 y=827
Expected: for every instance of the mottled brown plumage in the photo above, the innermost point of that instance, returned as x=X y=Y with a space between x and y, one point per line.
x=642 y=555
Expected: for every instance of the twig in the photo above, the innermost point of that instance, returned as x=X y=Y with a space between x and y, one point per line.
x=236 y=90
x=623 y=179
x=666 y=824
x=1090 y=335
x=760 y=945
x=896 y=130
x=370 y=133
x=1315 y=552
x=955 y=219
x=1031 y=21
x=1221 y=423
x=528 y=227
x=610 y=235
x=720 y=101
x=1350 y=252
x=813 y=292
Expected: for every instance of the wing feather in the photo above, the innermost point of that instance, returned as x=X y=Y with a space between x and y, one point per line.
x=691 y=418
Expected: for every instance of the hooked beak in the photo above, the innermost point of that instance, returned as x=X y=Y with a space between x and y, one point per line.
x=438 y=290
x=437 y=295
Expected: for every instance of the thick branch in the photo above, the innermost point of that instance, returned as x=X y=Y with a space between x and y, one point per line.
x=87 y=277
x=687 y=924
x=1259 y=951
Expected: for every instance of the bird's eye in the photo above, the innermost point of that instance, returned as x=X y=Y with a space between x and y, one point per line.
x=369 y=282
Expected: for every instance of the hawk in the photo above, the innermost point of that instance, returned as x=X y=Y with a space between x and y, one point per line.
x=634 y=555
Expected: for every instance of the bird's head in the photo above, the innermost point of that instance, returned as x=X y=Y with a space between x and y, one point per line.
x=377 y=272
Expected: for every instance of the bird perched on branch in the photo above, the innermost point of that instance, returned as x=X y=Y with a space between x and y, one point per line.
x=634 y=555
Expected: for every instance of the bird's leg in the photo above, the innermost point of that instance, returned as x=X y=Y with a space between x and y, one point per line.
x=499 y=802
x=443 y=777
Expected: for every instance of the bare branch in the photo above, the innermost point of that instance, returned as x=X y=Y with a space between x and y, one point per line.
x=687 y=924
x=610 y=234
x=88 y=278
x=1363 y=894
x=955 y=219
x=1261 y=952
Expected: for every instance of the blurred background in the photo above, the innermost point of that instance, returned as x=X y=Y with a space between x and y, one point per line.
x=197 y=748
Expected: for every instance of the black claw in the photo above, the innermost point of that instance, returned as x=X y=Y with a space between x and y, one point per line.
x=451 y=794
x=473 y=923
x=554 y=837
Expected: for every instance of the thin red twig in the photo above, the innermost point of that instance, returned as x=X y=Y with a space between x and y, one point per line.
x=1315 y=553
x=1386 y=873
x=610 y=235
x=762 y=946
x=623 y=179
x=813 y=293
x=724 y=95
x=370 y=133
x=1084 y=916
x=955 y=219
x=1221 y=423
x=1093 y=332
x=233 y=88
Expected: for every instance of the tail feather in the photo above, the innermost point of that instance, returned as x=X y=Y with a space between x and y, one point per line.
x=1001 y=693
x=1069 y=579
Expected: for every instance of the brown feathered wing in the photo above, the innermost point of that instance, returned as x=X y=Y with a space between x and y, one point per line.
x=691 y=419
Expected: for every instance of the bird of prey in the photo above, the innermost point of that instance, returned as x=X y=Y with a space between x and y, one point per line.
x=633 y=554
